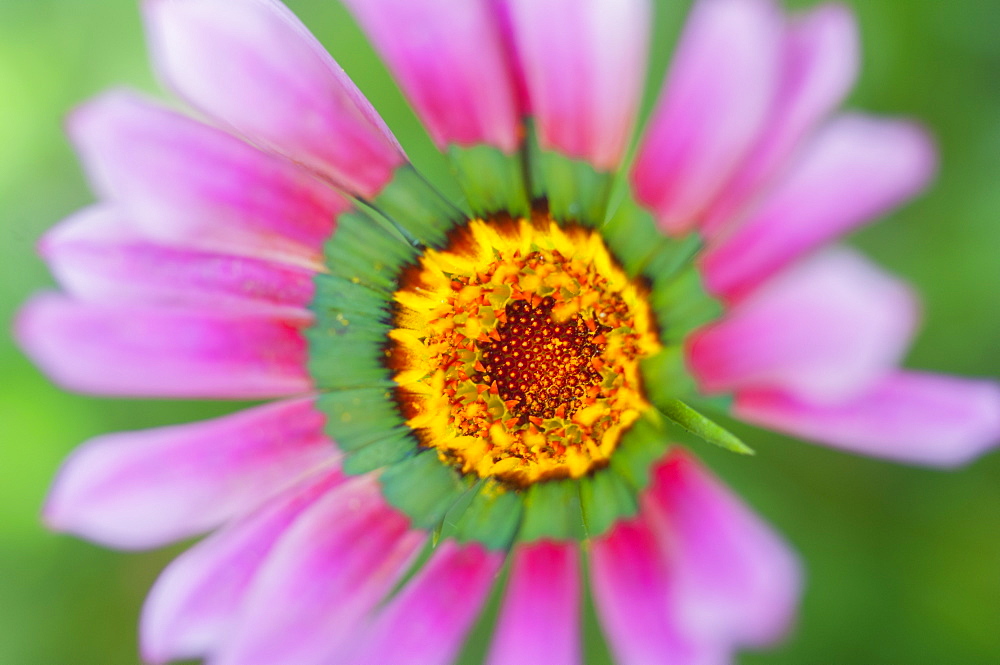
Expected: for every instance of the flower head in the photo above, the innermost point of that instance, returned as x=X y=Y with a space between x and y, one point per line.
x=478 y=395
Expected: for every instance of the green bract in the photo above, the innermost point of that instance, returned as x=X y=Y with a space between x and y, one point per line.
x=353 y=306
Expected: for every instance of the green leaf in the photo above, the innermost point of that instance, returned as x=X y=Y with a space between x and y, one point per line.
x=672 y=255
x=682 y=305
x=356 y=418
x=606 y=498
x=448 y=525
x=665 y=375
x=394 y=447
x=365 y=249
x=700 y=426
x=632 y=236
x=347 y=357
x=478 y=640
x=645 y=442
x=492 y=517
x=594 y=640
x=722 y=404
x=492 y=181
x=423 y=487
x=552 y=511
x=574 y=190
x=339 y=303
x=420 y=212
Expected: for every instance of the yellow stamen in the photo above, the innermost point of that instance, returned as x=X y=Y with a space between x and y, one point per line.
x=517 y=350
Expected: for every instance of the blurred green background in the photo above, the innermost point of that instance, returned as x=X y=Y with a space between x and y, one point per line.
x=903 y=563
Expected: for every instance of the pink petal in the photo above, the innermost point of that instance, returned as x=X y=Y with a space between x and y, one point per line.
x=584 y=64
x=197 y=187
x=165 y=352
x=820 y=63
x=854 y=170
x=145 y=489
x=635 y=595
x=252 y=65
x=826 y=328
x=195 y=602
x=737 y=581
x=540 y=620
x=331 y=568
x=425 y=623
x=449 y=60
x=723 y=80
x=96 y=255
x=504 y=24
x=908 y=416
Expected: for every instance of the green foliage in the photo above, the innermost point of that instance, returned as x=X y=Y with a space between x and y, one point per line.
x=423 y=488
x=702 y=427
x=491 y=180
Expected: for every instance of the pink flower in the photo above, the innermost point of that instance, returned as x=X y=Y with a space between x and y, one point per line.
x=284 y=247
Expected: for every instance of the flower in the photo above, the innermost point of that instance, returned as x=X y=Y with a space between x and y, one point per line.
x=286 y=248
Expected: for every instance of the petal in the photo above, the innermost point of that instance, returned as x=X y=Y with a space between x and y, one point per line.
x=253 y=65
x=540 y=620
x=426 y=622
x=855 y=169
x=819 y=65
x=635 y=597
x=196 y=600
x=149 y=488
x=908 y=416
x=165 y=352
x=331 y=568
x=504 y=24
x=721 y=85
x=194 y=186
x=736 y=579
x=584 y=65
x=96 y=255
x=826 y=328
x=449 y=60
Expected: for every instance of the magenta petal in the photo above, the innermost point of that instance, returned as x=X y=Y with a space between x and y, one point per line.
x=449 y=60
x=425 y=623
x=540 y=620
x=908 y=416
x=98 y=256
x=723 y=80
x=635 y=595
x=855 y=169
x=148 y=488
x=584 y=65
x=253 y=65
x=737 y=581
x=165 y=352
x=819 y=64
x=194 y=186
x=826 y=328
x=504 y=24
x=331 y=568
x=196 y=600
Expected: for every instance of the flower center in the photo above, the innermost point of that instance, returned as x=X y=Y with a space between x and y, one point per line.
x=517 y=348
x=542 y=368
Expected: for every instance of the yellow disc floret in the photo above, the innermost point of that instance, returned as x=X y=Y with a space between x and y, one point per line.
x=517 y=350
